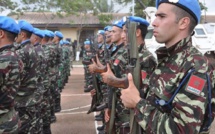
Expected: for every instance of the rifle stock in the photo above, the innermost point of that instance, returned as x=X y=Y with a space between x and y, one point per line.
x=134 y=67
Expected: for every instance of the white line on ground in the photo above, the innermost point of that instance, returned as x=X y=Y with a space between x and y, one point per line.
x=67 y=110
x=96 y=123
x=71 y=113
x=68 y=95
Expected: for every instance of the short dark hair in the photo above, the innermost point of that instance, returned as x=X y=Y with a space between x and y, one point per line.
x=143 y=29
x=181 y=13
x=46 y=38
x=28 y=34
x=11 y=36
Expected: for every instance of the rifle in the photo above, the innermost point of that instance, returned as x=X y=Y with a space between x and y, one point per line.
x=95 y=98
x=134 y=68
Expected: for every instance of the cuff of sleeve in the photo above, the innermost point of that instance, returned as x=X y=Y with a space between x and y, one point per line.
x=139 y=109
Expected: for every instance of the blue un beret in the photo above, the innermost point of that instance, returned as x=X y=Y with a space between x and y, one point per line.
x=139 y=20
x=61 y=42
x=102 y=32
x=59 y=34
x=24 y=25
x=108 y=28
x=9 y=24
x=191 y=6
x=39 y=32
x=51 y=34
x=118 y=24
x=47 y=33
x=87 y=42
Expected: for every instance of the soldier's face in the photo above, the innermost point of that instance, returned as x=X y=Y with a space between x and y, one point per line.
x=116 y=35
x=99 y=38
x=108 y=37
x=166 y=30
x=19 y=38
x=124 y=35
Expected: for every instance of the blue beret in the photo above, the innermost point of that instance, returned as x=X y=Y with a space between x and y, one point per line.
x=67 y=42
x=118 y=24
x=51 y=34
x=61 y=42
x=102 y=32
x=39 y=32
x=108 y=28
x=9 y=24
x=87 y=42
x=47 y=33
x=24 y=25
x=59 y=34
x=191 y=6
x=139 y=20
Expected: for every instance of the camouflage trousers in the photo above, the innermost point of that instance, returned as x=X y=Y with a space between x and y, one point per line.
x=9 y=122
x=46 y=109
x=52 y=96
x=29 y=119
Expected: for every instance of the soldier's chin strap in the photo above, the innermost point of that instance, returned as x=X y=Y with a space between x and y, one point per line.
x=169 y=102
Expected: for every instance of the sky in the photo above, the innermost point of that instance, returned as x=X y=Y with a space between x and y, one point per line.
x=209 y=3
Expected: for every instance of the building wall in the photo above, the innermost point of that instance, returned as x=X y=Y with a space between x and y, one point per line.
x=69 y=33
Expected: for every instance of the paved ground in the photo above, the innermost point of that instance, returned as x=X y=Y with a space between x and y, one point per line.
x=75 y=103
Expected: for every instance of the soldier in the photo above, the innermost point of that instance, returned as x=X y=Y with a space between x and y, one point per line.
x=58 y=36
x=46 y=109
x=36 y=39
x=25 y=99
x=10 y=69
x=147 y=63
x=179 y=94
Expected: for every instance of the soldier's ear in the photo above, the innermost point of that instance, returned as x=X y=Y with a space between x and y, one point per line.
x=138 y=33
x=1 y=33
x=184 y=23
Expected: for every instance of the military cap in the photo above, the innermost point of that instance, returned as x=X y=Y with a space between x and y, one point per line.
x=118 y=23
x=87 y=42
x=108 y=28
x=39 y=32
x=51 y=33
x=24 y=25
x=139 y=20
x=9 y=24
x=59 y=34
x=47 y=33
x=61 y=42
x=102 y=32
x=191 y=6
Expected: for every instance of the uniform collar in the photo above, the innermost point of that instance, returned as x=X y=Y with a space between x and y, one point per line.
x=178 y=47
x=6 y=47
x=25 y=41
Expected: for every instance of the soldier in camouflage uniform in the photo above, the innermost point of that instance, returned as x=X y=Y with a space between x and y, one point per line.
x=46 y=109
x=179 y=98
x=66 y=66
x=36 y=39
x=87 y=55
x=10 y=69
x=58 y=63
x=25 y=99
x=147 y=63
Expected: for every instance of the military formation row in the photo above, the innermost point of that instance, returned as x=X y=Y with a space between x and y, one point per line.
x=138 y=93
x=34 y=67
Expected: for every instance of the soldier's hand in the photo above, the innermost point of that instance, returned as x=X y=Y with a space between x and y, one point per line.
x=92 y=67
x=93 y=92
x=108 y=76
x=130 y=96
x=107 y=115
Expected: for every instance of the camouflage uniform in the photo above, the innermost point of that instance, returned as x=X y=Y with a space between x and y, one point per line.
x=25 y=99
x=187 y=112
x=39 y=94
x=10 y=69
x=87 y=55
x=46 y=109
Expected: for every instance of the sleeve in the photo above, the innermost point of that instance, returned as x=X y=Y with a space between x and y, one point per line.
x=186 y=116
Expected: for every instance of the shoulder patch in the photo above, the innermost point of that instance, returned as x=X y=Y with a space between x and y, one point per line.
x=143 y=74
x=195 y=85
x=116 y=62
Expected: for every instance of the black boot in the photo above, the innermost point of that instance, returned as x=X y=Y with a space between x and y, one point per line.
x=46 y=130
x=100 y=128
x=57 y=105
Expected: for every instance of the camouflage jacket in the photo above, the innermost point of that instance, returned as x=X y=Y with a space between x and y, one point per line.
x=187 y=112
x=10 y=69
x=29 y=75
x=47 y=52
x=42 y=62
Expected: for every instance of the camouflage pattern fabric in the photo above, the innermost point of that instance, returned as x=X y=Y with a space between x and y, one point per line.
x=187 y=112
x=25 y=99
x=87 y=75
x=10 y=69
